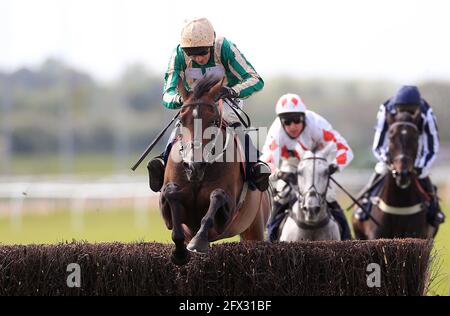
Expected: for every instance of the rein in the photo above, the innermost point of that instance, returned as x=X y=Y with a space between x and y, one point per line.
x=219 y=124
x=234 y=106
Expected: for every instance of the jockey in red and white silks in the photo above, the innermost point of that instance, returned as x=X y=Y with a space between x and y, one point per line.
x=317 y=131
x=295 y=131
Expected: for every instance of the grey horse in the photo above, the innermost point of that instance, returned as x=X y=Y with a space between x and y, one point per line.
x=309 y=218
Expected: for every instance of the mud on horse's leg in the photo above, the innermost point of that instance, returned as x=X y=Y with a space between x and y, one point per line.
x=200 y=243
x=172 y=193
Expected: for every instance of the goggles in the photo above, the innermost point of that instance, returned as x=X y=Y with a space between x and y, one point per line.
x=295 y=120
x=196 y=51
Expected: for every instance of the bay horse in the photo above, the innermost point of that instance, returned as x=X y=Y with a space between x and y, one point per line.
x=309 y=218
x=204 y=198
x=399 y=208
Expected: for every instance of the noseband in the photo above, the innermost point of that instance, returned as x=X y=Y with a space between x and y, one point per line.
x=196 y=143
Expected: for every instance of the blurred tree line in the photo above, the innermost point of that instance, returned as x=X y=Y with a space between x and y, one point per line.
x=57 y=108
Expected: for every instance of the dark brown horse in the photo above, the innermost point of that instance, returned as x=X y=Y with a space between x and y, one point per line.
x=202 y=197
x=399 y=208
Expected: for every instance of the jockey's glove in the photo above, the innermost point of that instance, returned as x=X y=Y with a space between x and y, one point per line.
x=418 y=171
x=179 y=100
x=227 y=93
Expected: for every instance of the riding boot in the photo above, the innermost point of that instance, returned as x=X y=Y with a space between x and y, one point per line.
x=435 y=216
x=276 y=217
x=156 y=168
x=339 y=216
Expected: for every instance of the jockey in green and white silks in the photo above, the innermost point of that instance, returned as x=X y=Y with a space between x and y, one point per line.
x=225 y=60
x=201 y=52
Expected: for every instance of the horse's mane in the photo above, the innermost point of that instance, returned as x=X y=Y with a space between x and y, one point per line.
x=205 y=84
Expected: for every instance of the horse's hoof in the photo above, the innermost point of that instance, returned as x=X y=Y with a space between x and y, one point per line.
x=180 y=260
x=198 y=246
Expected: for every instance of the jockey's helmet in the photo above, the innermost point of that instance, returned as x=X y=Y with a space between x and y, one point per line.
x=407 y=99
x=197 y=36
x=290 y=104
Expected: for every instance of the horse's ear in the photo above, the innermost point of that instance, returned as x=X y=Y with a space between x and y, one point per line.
x=216 y=89
x=182 y=90
x=333 y=168
x=390 y=118
x=417 y=116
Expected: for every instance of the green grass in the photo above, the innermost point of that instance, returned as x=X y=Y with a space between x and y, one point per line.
x=441 y=264
x=91 y=164
x=94 y=226
x=127 y=226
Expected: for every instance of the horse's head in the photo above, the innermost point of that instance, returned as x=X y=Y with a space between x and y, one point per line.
x=403 y=146
x=198 y=114
x=314 y=173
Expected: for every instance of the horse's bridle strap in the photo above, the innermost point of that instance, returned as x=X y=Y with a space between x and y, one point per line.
x=305 y=226
x=402 y=211
x=314 y=158
x=187 y=105
x=404 y=123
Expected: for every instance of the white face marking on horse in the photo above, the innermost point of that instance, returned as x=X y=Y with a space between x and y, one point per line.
x=312 y=185
x=404 y=132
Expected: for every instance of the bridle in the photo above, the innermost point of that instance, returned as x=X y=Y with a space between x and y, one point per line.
x=196 y=143
x=391 y=167
x=313 y=188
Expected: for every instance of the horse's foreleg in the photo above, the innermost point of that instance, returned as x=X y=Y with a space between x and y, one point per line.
x=200 y=242
x=172 y=195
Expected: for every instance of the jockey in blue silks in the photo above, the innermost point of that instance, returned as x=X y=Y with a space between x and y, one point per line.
x=408 y=99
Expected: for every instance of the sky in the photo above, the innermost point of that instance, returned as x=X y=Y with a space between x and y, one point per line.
x=402 y=40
